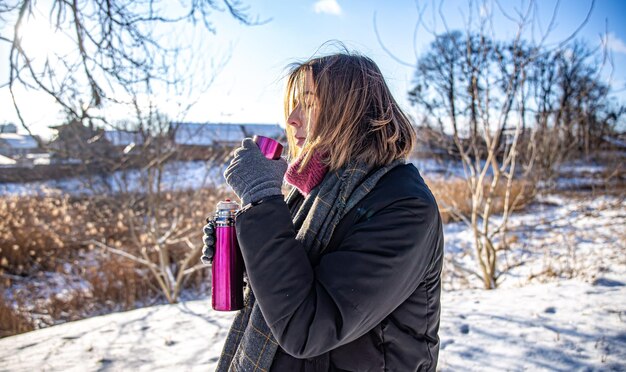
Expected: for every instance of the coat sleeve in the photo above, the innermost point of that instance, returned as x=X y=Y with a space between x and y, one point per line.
x=311 y=310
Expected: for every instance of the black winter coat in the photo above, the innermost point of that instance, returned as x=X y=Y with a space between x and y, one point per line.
x=372 y=302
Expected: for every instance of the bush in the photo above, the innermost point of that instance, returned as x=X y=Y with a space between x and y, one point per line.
x=54 y=272
x=34 y=231
x=454 y=197
x=12 y=321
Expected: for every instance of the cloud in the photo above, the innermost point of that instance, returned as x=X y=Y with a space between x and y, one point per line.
x=615 y=44
x=327 y=6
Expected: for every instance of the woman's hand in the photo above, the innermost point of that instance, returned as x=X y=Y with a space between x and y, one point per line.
x=252 y=176
x=208 y=249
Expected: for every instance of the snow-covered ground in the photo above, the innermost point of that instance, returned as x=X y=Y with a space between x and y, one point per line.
x=569 y=325
x=561 y=306
x=182 y=337
x=177 y=175
x=555 y=237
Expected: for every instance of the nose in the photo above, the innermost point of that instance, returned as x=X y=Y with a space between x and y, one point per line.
x=295 y=118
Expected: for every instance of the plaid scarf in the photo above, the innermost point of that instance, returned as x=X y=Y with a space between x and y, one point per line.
x=250 y=345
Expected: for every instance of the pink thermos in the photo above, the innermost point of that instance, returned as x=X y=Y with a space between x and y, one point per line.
x=227 y=269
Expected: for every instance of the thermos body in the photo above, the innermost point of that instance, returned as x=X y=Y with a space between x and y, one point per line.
x=227 y=269
x=228 y=266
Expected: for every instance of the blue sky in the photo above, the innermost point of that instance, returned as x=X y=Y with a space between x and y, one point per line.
x=249 y=87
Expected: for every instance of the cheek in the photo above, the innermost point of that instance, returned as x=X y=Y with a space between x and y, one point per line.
x=312 y=120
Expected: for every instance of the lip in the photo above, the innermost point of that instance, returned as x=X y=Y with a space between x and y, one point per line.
x=300 y=140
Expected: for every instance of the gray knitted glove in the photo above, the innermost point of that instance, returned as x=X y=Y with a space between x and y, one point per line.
x=252 y=176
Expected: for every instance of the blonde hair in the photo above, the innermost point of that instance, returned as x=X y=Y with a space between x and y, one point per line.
x=357 y=117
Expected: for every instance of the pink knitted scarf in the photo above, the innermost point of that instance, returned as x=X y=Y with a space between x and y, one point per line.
x=312 y=174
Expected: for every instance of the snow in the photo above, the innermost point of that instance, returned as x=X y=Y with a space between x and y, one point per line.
x=123 y=138
x=18 y=141
x=39 y=159
x=582 y=167
x=555 y=236
x=563 y=326
x=177 y=175
x=438 y=169
x=566 y=325
x=182 y=337
x=615 y=141
x=4 y=160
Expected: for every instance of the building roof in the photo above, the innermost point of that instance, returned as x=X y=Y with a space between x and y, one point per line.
x=8 y=128
x=123 y=138
x=207 y=134
x=18 y=141
x=6 y=160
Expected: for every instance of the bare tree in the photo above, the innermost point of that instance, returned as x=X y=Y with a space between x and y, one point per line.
x=133 y=57
x=572 y=106
x=113 y=54
x=472 y=87
x=477 y=92
x=163 y=230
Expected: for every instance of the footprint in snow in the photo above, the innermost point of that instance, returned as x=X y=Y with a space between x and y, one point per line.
x=446 y=343
x=604 y=282
x=464 y=329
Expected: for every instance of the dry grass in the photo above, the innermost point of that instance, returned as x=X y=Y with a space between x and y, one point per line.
x=45 y=239
x=34 y=232
x=11 y=321
x=454 y=197
x=53 y=274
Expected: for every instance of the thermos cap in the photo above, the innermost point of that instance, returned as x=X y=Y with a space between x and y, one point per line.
x=227 y=205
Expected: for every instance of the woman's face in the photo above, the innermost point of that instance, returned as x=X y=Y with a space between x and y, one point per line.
x=304 y=112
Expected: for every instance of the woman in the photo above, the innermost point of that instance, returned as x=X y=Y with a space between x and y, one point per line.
x=345 y=272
